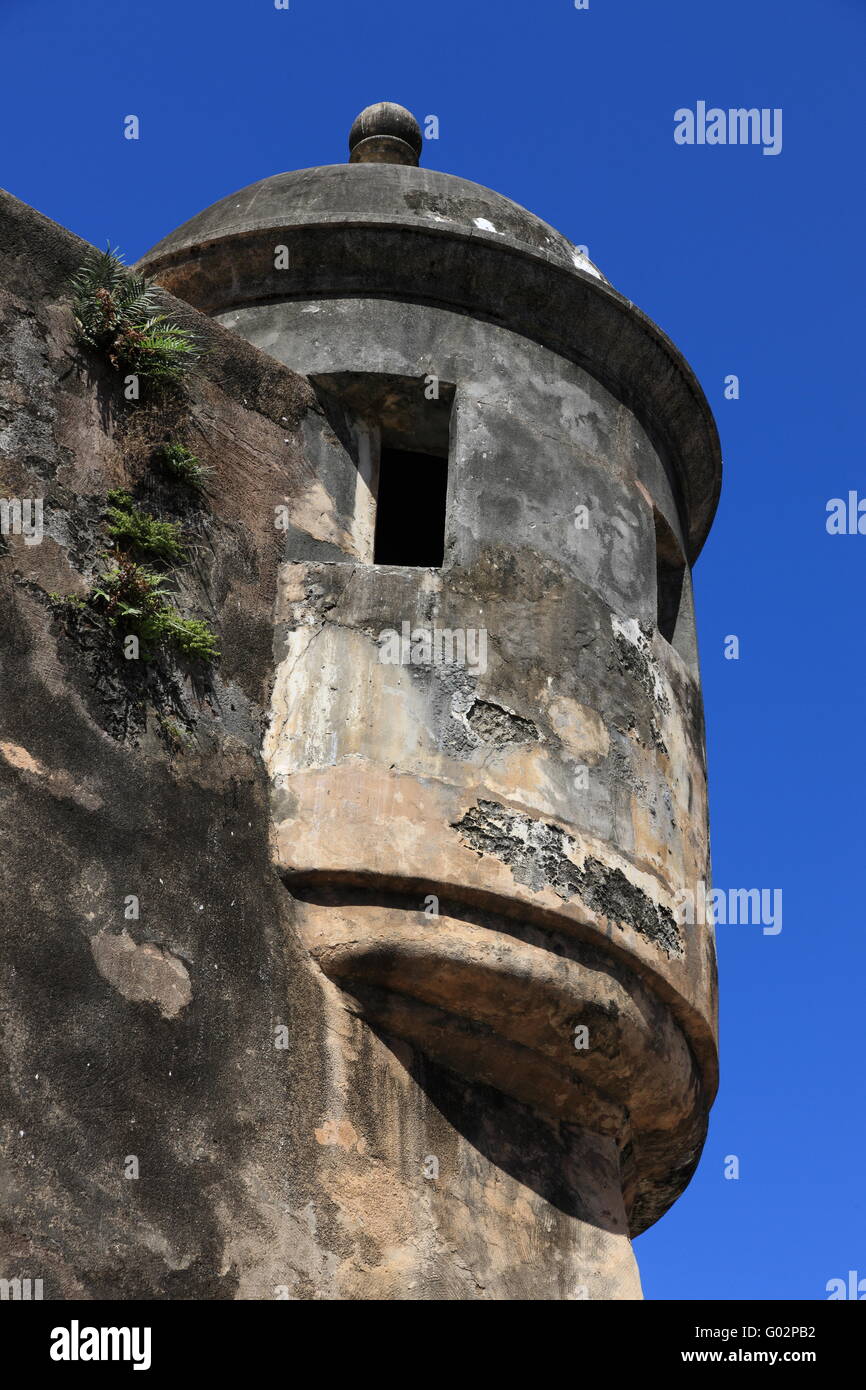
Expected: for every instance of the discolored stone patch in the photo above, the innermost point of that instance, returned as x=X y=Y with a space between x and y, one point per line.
x=143 y=974
x=539 y=855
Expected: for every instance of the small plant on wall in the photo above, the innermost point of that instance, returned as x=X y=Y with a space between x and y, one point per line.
x=116 y=314
x=137 y=600
x=180 y=463
x=144 y=535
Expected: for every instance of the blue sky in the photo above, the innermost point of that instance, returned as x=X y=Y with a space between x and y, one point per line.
x=754 y=265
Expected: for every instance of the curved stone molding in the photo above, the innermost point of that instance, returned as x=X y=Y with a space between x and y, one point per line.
x=500 y=1001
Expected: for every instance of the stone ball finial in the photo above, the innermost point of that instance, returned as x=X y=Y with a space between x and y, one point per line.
x=385 y=133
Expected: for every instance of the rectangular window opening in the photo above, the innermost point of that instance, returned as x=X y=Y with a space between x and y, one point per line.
x=397 y=432
x=675 y=616
x=669 y=588
x=670 y=572
x=410 y=509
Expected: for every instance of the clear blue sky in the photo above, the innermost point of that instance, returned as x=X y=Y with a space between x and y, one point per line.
x=754 y=265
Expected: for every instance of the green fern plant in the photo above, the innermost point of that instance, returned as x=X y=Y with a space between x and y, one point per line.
x=133 y=529
x=135 y=597
x=157 y=350
x=182 y=464
x=192 y=636
x=115 y=312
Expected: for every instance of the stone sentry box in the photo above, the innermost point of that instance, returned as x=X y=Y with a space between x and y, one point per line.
x=485 y=855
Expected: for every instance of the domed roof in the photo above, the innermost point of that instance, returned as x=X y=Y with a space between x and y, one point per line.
x=377 y=195
x=380 y=226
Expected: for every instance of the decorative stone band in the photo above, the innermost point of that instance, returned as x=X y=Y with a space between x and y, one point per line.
x=481 y=274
